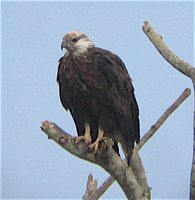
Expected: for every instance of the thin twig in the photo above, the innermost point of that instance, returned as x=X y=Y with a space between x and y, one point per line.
x=107 y=183
x=163 y=118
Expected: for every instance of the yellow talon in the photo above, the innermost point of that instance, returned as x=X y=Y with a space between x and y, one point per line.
x=96 y=143
x=86 y=137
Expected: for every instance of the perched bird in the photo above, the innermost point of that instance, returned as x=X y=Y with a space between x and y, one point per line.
x=95 y=87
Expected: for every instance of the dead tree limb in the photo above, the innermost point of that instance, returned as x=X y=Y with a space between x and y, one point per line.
x=105 y=157
x=185 y=69
x=91 y=188
x=164 y=117
x=100 y=191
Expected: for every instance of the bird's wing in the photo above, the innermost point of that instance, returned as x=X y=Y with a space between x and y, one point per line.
x=120 y=85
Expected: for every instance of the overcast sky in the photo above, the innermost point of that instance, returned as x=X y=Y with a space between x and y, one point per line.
x=35 y=167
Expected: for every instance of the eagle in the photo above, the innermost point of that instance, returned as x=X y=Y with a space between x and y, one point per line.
x=94 y=85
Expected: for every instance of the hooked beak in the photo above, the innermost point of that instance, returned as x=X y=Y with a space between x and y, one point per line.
x=63 y=44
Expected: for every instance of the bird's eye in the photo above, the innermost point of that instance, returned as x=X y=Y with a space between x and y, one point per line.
x=75 y=40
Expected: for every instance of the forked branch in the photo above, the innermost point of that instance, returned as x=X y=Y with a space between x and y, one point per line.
x=105 y=157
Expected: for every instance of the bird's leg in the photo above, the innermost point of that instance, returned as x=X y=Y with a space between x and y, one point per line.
x=86 y=137
x=99 y=137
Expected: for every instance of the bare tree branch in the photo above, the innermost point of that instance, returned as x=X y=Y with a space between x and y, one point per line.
x=192 y=179
x=139 y=172
x=91 y=188
x=185 y=69
x=164 y=117
x=168 y=55
x=105 y=157
x=140 y=175
x=107 y=183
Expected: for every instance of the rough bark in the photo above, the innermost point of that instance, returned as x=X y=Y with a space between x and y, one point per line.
x=105 y=157
x=91 y=188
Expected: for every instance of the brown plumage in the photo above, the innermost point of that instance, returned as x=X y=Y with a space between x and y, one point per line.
x=96 y=88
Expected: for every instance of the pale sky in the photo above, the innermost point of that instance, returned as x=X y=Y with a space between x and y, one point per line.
x=33 y=166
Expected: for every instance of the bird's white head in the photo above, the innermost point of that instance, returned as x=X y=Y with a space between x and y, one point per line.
x=76 y=43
